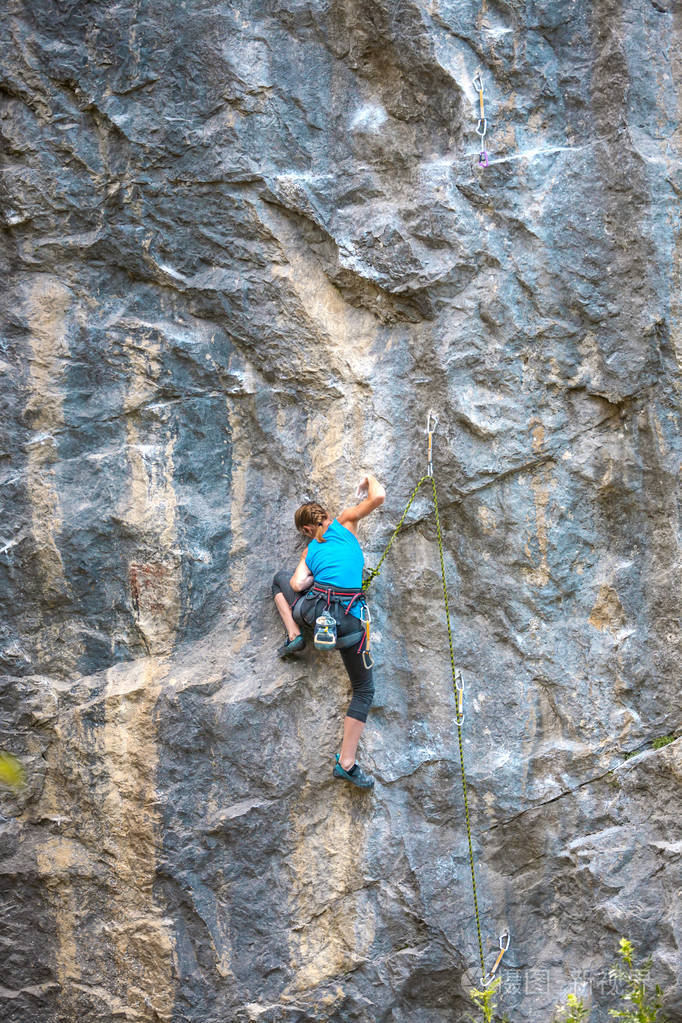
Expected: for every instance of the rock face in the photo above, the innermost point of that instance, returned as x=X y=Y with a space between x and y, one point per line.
x=246 y=248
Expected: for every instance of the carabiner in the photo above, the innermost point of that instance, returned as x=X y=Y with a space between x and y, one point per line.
x=482 y=121
x=459 y=691
x=478 y=81
x=366 y=618
x=503 y=945
x=483 y=158
x=431 y=424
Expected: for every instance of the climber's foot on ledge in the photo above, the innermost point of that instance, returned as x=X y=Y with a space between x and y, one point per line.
x=356 y=776
x=291 y=646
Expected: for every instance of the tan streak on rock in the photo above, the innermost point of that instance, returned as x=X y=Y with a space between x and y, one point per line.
x=608 y=612
x=540 y=485
x=676 y=146
x=538 y=438
x=327 y=443
x=336 y=925
x=676 y=301
x=108 y=850
x=66 y=861
x=47 y=304
x=487 y=519
x=342 y=352
x=240 y=451
x=348 y=331
x=138 y=936
x=541 y=496
x=155 y=575
x=56 y=860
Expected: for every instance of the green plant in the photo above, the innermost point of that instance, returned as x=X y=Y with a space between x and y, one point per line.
x=663 y=740
x=575 y=1011
x=12 y=772
x=640 y=1006
x=486 y=1000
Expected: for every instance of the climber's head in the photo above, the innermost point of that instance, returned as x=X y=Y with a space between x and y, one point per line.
x=311 y=519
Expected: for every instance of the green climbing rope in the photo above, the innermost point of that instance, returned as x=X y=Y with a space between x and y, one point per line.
x=458 y=719
x=457 y=690
x=375 y=571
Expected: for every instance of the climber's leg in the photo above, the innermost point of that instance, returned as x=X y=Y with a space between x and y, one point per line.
x=362 y=681
x=285 y=598
x=285 y=614
x=352 y=730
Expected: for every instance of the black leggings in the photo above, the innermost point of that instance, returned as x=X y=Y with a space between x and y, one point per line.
x=360 y=677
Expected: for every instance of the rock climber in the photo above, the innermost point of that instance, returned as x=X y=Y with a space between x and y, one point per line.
x=329 y=576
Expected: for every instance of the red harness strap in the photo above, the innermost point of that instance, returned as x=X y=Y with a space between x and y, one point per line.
x=336 y=593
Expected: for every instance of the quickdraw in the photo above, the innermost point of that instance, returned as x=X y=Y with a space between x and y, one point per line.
x=459 y=693
x=482 y=126
x=431 y=424
x=457 y=683
x=503 y=946
x=366 y=618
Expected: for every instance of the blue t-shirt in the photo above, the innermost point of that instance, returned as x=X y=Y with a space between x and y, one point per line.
x=338 y=561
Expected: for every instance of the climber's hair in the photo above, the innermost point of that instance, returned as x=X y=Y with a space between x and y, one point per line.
x=311 y=514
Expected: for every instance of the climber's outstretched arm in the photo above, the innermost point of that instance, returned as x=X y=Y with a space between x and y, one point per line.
x=376 y=494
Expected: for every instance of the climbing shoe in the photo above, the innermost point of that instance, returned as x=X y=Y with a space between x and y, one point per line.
x=291 y=646
x=356 y=776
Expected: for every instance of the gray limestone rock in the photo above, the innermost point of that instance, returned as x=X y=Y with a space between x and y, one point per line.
x=246 y=248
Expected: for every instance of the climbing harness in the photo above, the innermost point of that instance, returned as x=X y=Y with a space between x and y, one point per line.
x=325 y=634
x=482 y=126
x=457 y=681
